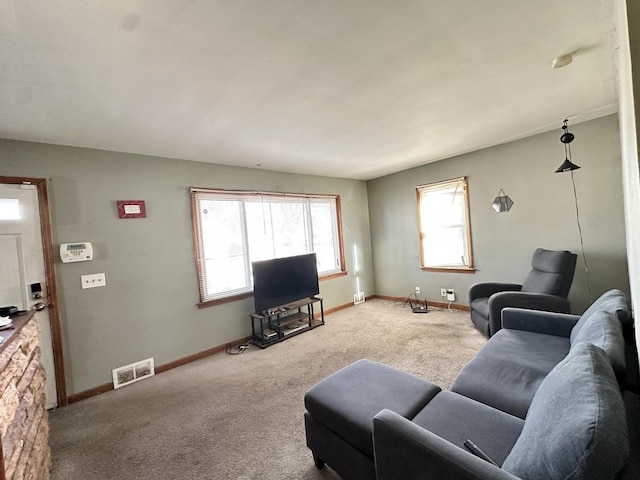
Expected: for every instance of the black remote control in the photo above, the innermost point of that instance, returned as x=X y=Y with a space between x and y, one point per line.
x=473 y=448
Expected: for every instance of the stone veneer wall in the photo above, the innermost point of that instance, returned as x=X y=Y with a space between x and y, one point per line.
x=24 y=421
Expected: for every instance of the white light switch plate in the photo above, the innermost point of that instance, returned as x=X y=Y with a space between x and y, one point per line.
x=93 y=281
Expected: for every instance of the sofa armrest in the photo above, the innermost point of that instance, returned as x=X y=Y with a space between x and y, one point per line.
x=537 y=321
x=485 y=290
x=532 y=301
x=406 y=451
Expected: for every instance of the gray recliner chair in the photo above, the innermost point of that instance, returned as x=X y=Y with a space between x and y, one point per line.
x=545 y=288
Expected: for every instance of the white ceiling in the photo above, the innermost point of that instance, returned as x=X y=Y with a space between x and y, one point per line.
x=345 y=88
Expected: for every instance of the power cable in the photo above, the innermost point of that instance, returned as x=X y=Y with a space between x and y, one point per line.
x=237 y=350
x=584 y=257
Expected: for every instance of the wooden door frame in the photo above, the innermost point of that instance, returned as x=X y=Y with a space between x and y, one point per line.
x=52 y=291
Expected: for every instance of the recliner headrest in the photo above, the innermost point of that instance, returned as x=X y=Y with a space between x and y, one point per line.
x=550 y=261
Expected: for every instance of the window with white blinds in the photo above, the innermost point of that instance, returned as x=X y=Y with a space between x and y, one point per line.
x=233 y=229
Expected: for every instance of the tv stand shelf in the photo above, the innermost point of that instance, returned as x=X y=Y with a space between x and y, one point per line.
x=280 y=323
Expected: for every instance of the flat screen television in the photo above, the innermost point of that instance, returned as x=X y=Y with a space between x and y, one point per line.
x=281 y=281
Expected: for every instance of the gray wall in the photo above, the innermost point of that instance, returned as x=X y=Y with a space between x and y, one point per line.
x=543 y=214
x=148 y=307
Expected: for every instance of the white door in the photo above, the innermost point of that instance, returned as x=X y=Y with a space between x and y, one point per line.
x=22 y=265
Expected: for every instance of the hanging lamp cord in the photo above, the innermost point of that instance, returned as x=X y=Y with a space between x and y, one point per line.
x=584 y=257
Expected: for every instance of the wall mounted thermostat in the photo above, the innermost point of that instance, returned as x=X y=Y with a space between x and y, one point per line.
x=76 y=252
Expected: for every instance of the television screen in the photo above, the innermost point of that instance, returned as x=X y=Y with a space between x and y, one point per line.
x=281 y=281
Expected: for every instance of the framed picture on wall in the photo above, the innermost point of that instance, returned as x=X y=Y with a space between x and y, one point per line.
x=131 y=209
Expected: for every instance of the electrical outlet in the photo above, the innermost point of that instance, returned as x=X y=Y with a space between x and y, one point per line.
x=443 y=292
x=92 y=281
x=451 y=294
x=417 y=290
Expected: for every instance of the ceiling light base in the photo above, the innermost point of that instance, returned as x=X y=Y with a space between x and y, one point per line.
x=562 y=61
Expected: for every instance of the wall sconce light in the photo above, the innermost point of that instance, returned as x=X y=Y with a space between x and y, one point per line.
x=502 y=203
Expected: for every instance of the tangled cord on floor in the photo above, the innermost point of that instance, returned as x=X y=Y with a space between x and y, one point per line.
x=237 y=350
x=403 y=302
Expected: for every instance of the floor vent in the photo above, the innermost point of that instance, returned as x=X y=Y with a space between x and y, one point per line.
x=133 y=373
x=358 y=298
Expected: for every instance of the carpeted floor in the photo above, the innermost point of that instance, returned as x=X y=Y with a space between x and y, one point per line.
x=241 y=416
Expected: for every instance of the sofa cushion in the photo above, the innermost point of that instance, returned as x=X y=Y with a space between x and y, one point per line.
x=604 y=330
x=457 y=418
x=508 y=370
x=576 y=425
x=613 y=301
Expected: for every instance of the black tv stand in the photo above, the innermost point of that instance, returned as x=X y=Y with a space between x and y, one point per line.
x=280 y=323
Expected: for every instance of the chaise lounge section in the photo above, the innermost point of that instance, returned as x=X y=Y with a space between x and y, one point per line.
x=341 y=407
x=542 y=399
x=576 y=428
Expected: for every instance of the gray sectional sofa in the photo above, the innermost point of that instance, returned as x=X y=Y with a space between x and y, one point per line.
x=542 y=399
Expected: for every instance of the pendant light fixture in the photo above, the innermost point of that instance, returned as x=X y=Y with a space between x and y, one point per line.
x=568 y=166
x=566 y=138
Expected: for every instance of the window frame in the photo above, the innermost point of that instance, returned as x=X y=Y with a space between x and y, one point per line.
x=468 y=268
x=240 y=194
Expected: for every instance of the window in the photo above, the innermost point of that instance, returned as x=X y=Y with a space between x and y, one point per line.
x=10 y=209
x=445 y=231
x=233 y=229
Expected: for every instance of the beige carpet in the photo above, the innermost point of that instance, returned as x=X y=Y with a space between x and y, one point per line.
x=241 y=416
